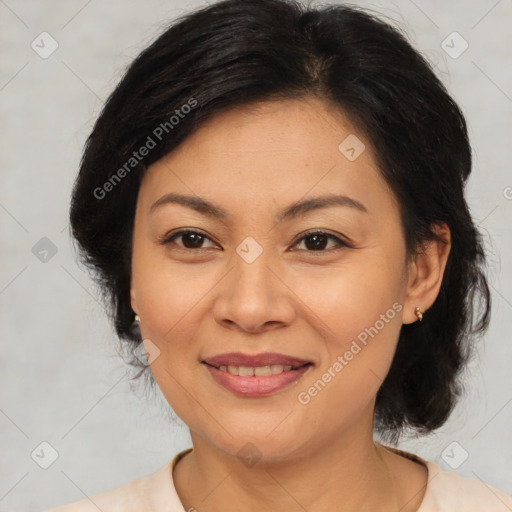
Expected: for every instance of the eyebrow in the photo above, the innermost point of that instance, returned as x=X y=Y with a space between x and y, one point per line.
x=300 y=207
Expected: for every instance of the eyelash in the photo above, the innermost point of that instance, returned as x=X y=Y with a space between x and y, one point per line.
x=340 y=243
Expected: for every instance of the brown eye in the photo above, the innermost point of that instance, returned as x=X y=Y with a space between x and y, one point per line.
x=318 y=240
x=189 y=239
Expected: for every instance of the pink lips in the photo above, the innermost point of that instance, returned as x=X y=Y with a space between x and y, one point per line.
x=253 y=386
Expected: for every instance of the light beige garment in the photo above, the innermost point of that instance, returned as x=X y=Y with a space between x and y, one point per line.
x=446 y=492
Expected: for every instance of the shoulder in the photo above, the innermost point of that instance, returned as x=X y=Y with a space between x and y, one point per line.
x=154 y=492
x=447 y=492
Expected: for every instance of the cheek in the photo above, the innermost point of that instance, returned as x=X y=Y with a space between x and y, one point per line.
x=349 y=298
x=167 y=292
x=358 y=308
x=171 y=300
x=169 y=304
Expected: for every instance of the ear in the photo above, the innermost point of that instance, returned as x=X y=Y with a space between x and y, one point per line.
x=425 y=273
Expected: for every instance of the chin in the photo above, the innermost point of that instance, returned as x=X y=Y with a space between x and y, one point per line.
x=257 y=444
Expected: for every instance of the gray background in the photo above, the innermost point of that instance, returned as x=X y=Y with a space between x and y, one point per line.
x=60 y=378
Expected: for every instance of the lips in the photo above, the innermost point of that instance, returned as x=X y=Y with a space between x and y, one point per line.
x=253 y=386
x=258 y=360
x=258 y=375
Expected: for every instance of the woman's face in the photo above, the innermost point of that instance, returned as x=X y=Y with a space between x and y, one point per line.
x=249 y=282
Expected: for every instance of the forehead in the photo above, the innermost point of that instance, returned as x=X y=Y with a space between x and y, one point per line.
x=266 y=152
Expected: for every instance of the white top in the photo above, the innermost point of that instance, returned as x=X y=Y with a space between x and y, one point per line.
x=445 y=492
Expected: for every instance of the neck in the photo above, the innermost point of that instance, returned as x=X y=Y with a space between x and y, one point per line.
x=349 y=472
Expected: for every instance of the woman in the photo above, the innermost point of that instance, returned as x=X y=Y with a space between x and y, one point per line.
x=273 y=198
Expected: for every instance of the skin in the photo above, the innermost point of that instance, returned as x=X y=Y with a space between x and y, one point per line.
x=194 y=303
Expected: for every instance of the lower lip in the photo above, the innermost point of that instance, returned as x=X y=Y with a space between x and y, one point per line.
x=256 y=386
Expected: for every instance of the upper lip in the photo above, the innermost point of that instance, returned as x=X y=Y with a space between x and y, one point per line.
x=265 y=359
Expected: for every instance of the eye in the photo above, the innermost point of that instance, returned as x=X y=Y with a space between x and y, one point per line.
x=190 y=239
x=316 y=241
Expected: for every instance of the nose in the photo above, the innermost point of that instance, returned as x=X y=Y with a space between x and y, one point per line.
x=253 y=297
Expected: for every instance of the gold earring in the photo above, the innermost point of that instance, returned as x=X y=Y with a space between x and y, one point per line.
x=137 y=318
x=419 y=313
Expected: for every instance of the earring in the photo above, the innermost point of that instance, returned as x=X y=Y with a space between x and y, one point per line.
x=137 y=318
x=419 y=313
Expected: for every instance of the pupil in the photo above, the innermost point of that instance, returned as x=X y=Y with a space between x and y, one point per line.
x=318 y=241
x=196 y=240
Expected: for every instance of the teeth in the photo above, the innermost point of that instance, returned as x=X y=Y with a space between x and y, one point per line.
x=259 y=371
x=245 y=371
x=262 y=371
